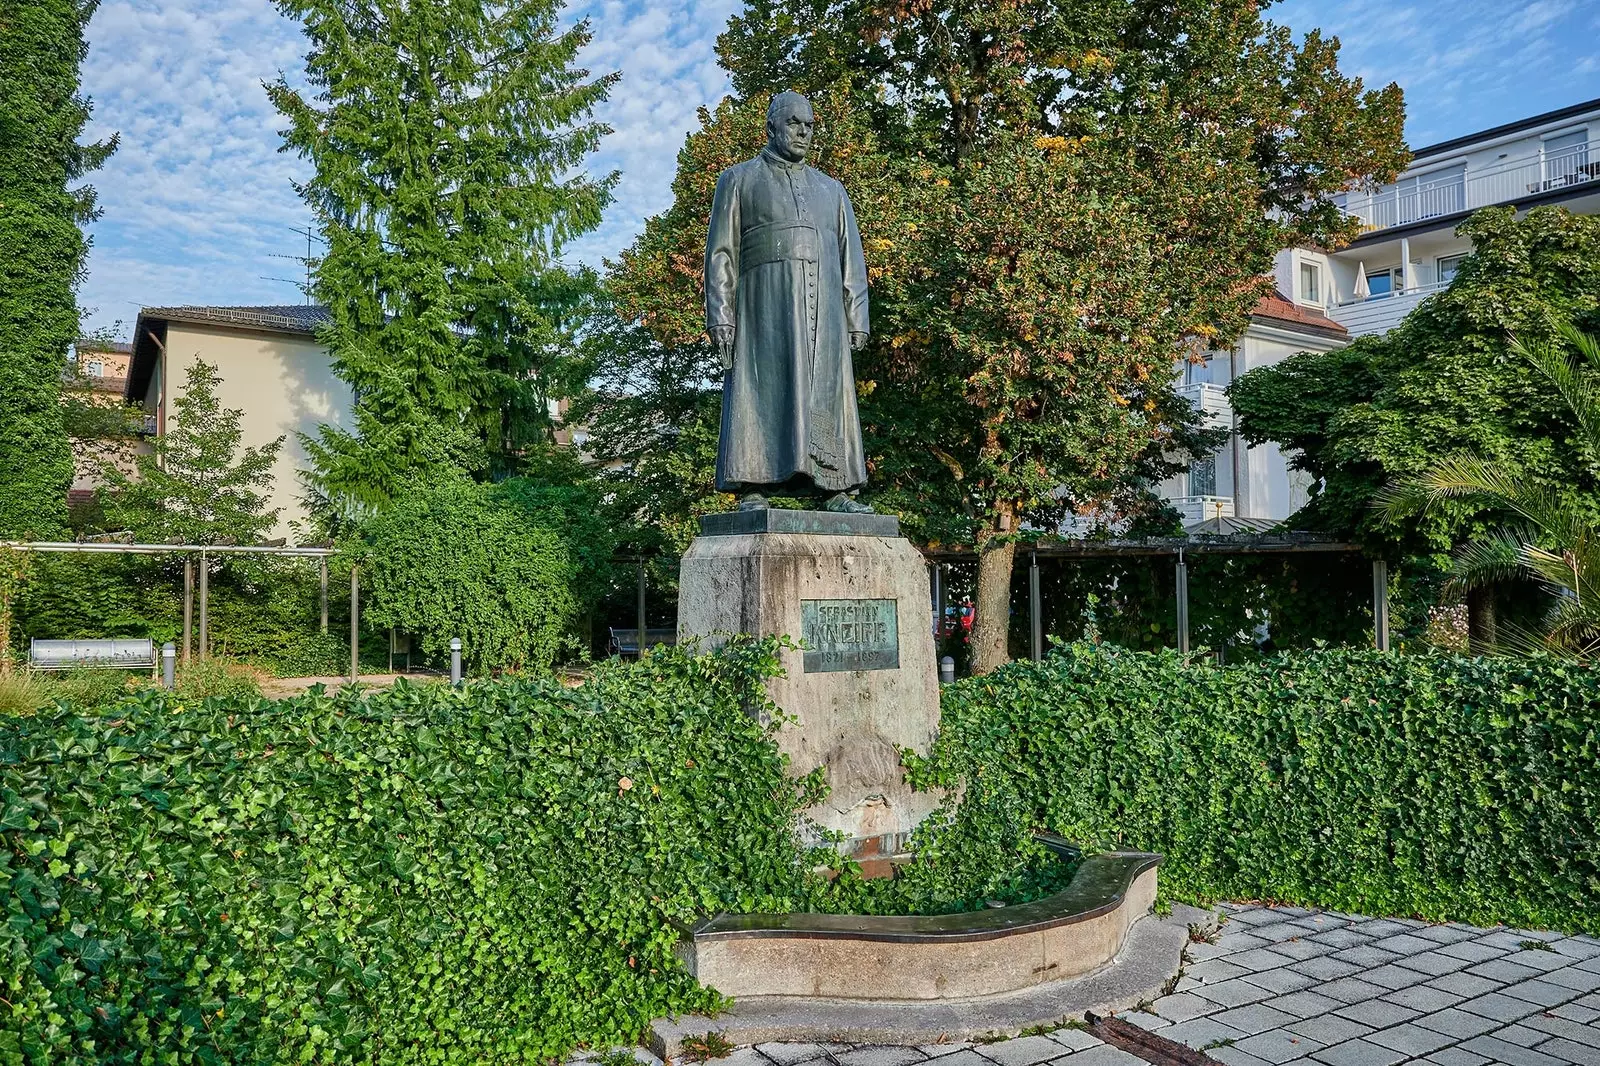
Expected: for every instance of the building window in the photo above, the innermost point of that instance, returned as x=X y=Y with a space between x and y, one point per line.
x=1566 y=159
x=1310 y=284
x=97 y=369
x=1383 y=283
x=1449 y=266
x=1203 y=477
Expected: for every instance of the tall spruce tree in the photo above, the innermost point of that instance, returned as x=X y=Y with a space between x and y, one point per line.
x=445 y=135
x=41 y=250
x=1097 y=189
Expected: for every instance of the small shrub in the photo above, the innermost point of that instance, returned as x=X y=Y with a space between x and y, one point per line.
x=218 y=678
x=21 y=692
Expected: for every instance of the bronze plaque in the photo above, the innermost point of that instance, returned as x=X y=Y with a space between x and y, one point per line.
x=850 y=635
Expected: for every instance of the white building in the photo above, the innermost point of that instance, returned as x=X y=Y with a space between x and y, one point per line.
x=1408 y=249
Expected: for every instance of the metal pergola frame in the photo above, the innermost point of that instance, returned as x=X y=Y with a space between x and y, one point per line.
x=1176 y=548
x=204 y=551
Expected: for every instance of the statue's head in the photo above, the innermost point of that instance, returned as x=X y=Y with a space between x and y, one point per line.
x=790 y=122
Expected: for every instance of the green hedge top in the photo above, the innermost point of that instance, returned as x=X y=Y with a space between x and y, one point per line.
x=494 y=874
x=1441 y=787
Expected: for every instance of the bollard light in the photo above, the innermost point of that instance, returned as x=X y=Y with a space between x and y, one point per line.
x=947 y=670
x=455 y=660
x=168 y=655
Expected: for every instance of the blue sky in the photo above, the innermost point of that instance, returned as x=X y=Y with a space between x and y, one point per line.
x=197 y=202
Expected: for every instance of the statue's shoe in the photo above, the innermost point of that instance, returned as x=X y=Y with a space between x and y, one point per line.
x=842 y=504
x=753 y=502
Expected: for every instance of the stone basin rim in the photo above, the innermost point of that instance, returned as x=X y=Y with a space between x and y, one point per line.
x=1099 y=887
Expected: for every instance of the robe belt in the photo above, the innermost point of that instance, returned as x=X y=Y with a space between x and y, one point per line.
x=778 y=242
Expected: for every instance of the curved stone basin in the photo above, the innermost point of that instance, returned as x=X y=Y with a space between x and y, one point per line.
x=944 y=956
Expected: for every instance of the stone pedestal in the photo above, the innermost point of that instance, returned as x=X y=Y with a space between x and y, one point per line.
x=857 y=593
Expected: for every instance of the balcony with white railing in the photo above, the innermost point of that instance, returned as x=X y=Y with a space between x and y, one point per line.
x=1380 y=313
x=1202 y=508
x=1461 y=189
x=1211 y=400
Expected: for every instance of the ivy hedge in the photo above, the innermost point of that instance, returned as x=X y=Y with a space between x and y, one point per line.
x=1432 y=786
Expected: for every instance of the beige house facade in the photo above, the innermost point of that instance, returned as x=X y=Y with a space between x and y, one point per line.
x=272 y=369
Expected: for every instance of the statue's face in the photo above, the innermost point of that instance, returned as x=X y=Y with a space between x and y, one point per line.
x=789 y=131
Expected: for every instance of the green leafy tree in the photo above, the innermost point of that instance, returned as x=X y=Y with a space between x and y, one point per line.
x=42 y=46
x=1058 y=201
x=1553 y=538
x=197 y=484
x=1443 y=382
x=445 y=136
x=454 y=558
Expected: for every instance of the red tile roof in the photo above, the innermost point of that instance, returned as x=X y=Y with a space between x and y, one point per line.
x=1278 y=310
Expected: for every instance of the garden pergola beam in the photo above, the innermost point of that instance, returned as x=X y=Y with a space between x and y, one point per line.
x=1380 y=604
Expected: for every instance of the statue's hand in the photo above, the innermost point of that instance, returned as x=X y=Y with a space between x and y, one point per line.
x=858 y=341
x=722 y=340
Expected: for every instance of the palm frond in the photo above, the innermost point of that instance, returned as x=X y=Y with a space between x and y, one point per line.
x=1492 y=558
x=1576 y=385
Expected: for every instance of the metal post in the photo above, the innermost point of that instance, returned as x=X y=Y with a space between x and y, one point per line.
x=1380 y=603
x=938 y=599
x=947 y=670
x=1035 y=609
x=355 y=621
x=455 y=660
x=323 y=568
x=188 y=606
x=168 y=654
x=640 y=613
x=205 y=584
x=1183 y=605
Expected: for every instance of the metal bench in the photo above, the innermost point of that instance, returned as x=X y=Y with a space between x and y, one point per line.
x=66 y=654
x=626 y=641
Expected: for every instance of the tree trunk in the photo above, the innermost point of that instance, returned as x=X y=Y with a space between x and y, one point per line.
x=1481 y=621
x=991 y=627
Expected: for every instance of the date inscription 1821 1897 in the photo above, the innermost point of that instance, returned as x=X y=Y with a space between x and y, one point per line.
x=850 y=635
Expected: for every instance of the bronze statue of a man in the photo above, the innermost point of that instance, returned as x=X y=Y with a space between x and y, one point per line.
x=786 y=305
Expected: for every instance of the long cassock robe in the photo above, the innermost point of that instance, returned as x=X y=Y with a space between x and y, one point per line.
x=784 y=268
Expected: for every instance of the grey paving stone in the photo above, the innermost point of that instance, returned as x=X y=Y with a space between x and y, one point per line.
x=1404 y=944
x=1392 y=977
x=1411 y=1038
x=1277 y=1046
x=1544 y=993
x=1471 y=950
x=749 y=1056
x=1381 y=927
x=1377 y=1013
x=963 y=1057
x=1232 y=1056
x=1202 y=1031
x=1503 y=970
x=1358 y=1052
x=944 y=1051
x=1328 y=1028
x=1576 y=947
x=1555 y=1025
x=1297 y=912
x=1366 y=956
x=1022 y=1051
x=1590 y=1000
x=1200 y=951
x=1505 y=1053
x=1589 y=964
x=1507 y=939
x=1445 y=934
x=1249 y=914
x=1075 y=1039
x=1340 y=938
x=1434 y=962
x=1254 y=1018
x=1463 y=984
x=1454 y=1056
x=880 y=1055
x=1577 y=1011
x=1502 y=1008
x=1539 y=959
x=1104 y=1055
x=1351 y=989
x=1281 y=980
x=1306 y=1004
x=1581 y=1054
x=1301 y=949
x=1458 y=1023
x=1182 y=1006
x=1574 y=978
x=1145 y=1020
x=1235 y=993
x=1258 y=959
x=787 y=1054
x=1522 y=1035
x=1185 y=983
x=1423 y=998
x=1279 y=931
x=1214 y=971
x=1239 y=939
x=1326 y=969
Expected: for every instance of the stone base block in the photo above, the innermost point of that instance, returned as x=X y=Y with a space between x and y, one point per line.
x=866 y=689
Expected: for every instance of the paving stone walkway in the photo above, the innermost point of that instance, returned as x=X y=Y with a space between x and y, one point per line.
x=1321 y=988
